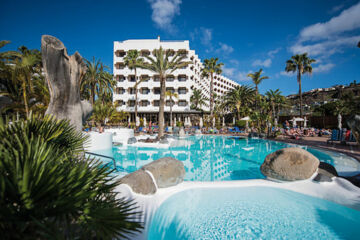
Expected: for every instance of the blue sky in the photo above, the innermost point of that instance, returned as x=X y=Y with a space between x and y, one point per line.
x=245 y=35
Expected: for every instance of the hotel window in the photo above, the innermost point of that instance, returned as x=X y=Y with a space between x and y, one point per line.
x=168 y=103
x=132 y=79
x=132 y=91
x=182 y=103
x=120 y=91
x=156 y=79
x=182 y=78
x=119 y=103
x=121 y=78
x=156 y=103
x=157 y=91
x=145 y=91
x=172 y=90
x=131 y=103
x=144 y=103
x=145 y=78
x=170 y=79
x=120 y=53
x=182 y=90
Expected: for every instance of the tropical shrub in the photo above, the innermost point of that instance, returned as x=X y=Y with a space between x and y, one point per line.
x=240 y=123
x=49 y=190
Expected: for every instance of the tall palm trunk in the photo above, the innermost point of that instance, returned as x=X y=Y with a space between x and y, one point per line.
x=92 y=93
x=211 y=100
x=171 y=121
x=136 y=96
x=25 y=99
x=300 y=94
x=162 y=106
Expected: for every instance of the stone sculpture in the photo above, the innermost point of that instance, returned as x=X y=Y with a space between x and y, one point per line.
x=354 y=123
x=63 y=74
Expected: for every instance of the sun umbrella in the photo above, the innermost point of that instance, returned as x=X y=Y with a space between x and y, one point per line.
x=234 y=120
x=201 y=124
x=137 y=121
x=145 y=122
x=223 y=122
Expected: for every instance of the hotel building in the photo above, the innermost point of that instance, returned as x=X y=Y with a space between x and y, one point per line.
x=182 y=81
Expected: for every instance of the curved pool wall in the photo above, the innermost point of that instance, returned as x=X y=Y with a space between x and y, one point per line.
x=121 y=135
x=251 y=213
x=339 y=191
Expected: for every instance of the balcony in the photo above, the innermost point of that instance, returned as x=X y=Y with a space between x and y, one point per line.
x=144 y=91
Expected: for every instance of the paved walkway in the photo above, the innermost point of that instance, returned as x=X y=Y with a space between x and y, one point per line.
x=352 y=149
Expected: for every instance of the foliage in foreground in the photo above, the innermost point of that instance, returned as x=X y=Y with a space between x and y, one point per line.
x=49 y=190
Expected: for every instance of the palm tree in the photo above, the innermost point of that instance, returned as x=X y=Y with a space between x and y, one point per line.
x=171 y=95
x=95 y=80
x=163 y=65
x=272 y=98
x=197 y=99
x=240 y=98
x=211 y=67
x=25 y=65
x=257 y=79
x=302 y=64
x=132 y=61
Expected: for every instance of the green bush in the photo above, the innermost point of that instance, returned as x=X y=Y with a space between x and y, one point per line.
x=240 y=123
x=179 y=124
x=49 y=190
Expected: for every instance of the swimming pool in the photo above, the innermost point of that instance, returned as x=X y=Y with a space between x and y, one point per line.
x=218 y=158
x=251 y=213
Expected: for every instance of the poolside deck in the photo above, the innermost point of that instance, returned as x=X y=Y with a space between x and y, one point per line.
x=352 y=149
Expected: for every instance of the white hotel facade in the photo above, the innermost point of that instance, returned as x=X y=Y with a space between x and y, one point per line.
x=181 y=81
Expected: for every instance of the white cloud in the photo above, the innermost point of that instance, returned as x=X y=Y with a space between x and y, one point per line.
x=323 y=68
x=164 y=11
x=348 y=20
x=287 y=74
x=337 y=8
x=321 y=40
x=224 y=49
x=273 y=52
x=242 y=76
x=229 y=72
x=206 y=35
x=325 y=48
x=265 y=63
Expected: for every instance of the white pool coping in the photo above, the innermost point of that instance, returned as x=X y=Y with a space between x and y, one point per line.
x=339 y=190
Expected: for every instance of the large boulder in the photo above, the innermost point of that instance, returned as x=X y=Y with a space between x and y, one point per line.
x=167 y=171
x=63 y=74
x=290 y=164
x=131 y=140
x=140 y=182
x=354 y=123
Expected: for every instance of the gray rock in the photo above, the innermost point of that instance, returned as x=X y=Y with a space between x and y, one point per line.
x=132 y=140
x=322 y=178
x=63 y=74
x=290 y=164
x=167 y=171
x=253 y=134
x=140 y=182
x=354 y=123
x=163 y=141
x=327 y=170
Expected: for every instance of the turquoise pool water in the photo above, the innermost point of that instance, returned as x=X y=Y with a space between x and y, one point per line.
x=218 y=158
x=252 y=213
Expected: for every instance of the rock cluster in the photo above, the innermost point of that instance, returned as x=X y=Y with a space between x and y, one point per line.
x=166 y=172
x=290 y=164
